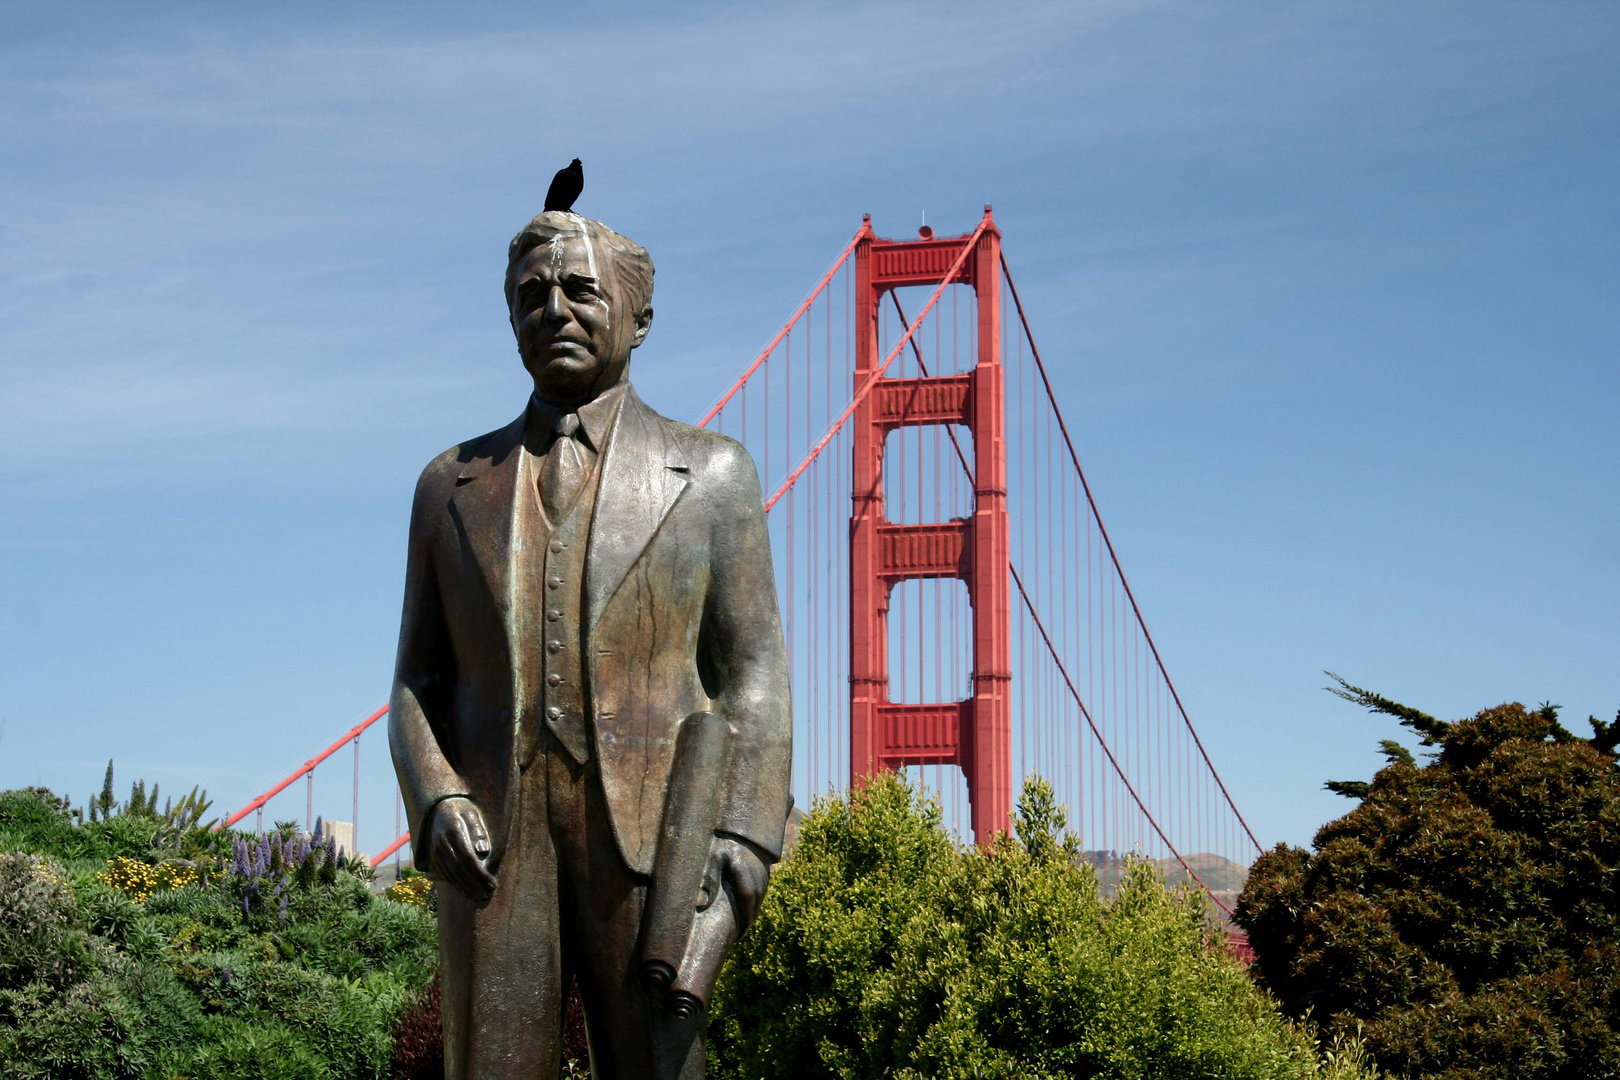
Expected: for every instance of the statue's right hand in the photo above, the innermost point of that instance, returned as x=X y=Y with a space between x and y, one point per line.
x=457 y=846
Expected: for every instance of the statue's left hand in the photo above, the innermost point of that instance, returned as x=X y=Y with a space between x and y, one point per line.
x=741 y=866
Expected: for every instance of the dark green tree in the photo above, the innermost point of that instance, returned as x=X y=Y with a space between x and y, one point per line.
x=105 y=802
x=1466 y=913
x=141 y=804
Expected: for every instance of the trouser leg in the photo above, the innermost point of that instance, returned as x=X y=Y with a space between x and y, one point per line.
x=631 y=1036
x=500 y=966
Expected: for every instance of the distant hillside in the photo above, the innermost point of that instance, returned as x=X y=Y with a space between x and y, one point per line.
x=1218 y=874
x=1221 y=876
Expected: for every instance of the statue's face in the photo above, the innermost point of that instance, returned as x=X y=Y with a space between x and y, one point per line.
x=575 y=339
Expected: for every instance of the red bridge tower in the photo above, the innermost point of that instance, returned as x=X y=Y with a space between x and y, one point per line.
x=974 y=734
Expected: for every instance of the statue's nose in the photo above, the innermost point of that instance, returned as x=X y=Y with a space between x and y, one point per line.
x=556 y=304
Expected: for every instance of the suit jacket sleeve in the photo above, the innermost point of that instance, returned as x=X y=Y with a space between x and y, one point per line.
x=743 y=650
x=424 y=681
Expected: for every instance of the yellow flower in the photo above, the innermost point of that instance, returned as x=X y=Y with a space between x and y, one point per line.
x=172 y=875
x=130 y=876
x=140 y=881
x=411 y=890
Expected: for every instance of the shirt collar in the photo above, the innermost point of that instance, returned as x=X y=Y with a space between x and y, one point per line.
x=595 y=417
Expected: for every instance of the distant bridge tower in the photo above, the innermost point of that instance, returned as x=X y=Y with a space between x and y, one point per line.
x=975 y=733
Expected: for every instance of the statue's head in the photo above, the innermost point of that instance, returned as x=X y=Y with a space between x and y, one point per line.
x=580 y=296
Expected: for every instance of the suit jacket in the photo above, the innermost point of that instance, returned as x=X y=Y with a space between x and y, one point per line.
x=680 y=616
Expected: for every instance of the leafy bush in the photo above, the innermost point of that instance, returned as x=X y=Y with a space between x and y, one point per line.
x=1466 y=913
x=70 y=1004
x=187 y=953
x=37 y=821
x=884 y=950
x=37 y=939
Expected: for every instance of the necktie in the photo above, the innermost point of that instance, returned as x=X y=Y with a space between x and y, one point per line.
x=564 y=470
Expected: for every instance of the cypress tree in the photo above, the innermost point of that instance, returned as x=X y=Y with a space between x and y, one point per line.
x=107 y=800
x=1465 y=914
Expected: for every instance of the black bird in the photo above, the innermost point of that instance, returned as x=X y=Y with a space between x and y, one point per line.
x=565 y=187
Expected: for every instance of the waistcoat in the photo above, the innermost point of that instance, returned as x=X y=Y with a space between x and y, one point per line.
x=556 y=621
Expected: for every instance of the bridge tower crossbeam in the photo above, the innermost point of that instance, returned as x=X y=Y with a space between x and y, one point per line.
x=975 y=733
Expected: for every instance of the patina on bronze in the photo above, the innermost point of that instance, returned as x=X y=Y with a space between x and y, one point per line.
x=580 y=584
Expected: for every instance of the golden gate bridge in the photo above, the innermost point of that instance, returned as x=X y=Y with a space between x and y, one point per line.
x=953 y=605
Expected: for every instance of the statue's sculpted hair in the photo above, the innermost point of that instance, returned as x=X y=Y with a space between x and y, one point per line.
x=631 y=263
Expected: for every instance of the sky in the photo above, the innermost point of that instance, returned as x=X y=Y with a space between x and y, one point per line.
x=1329 y=292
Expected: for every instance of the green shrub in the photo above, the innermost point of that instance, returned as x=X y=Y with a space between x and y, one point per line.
x=884 y=950
x=33 y=820
x=72 y=1004
x=185 y=953
x=1466 y=914
x=40 y=941
x=228 y=1048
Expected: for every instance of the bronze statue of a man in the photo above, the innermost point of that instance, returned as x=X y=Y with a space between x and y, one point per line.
x=590 y=716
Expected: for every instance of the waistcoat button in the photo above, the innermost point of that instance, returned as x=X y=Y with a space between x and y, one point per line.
x=554 y=646
x=553 y=679
x=554 y=712
x=553 y=615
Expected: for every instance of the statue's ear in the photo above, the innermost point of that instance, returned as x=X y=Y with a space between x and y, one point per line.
x=643 y=324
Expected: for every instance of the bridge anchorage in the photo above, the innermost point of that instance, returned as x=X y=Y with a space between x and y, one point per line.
x=953 y=604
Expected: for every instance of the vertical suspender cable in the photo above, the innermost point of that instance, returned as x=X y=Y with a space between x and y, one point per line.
x=1103 y=532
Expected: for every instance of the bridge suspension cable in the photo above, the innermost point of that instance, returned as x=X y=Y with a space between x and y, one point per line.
x=1085 y=661
x=1046 y=637
x=306 y=771
x=1136 y=610
x=1094 y=710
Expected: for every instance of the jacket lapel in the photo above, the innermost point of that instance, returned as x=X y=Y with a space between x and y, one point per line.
x=483 y=503
x=643 y=473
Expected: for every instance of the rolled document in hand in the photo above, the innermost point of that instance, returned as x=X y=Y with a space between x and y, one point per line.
x=685 y=839
x=713 y=932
